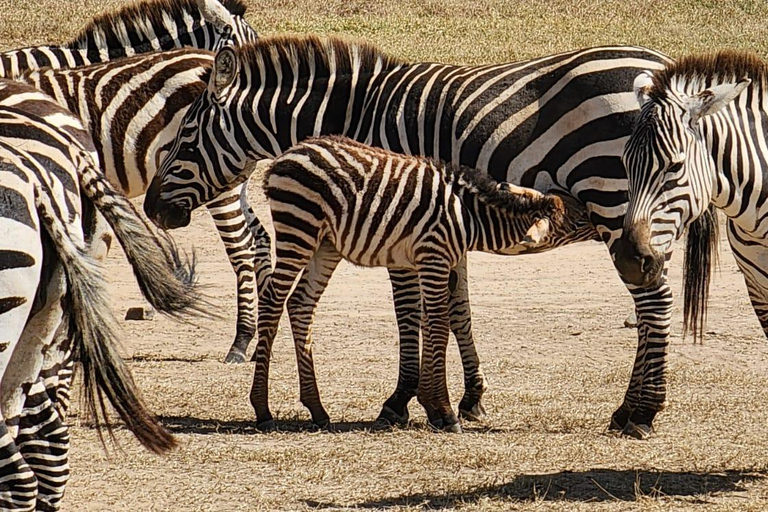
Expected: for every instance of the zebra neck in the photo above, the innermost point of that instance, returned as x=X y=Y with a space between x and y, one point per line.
x=489 y=228
x=739 y=152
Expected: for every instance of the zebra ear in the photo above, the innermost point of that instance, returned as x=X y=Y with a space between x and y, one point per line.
x=642 y=86
x=713 y=100
x=215 y=13
x=224 y=70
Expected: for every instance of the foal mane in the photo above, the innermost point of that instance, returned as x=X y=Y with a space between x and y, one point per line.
x=330 y=54
x=112 y=25
x=708 y=69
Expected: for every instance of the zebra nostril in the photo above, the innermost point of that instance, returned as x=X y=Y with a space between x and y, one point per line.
x=646 y=262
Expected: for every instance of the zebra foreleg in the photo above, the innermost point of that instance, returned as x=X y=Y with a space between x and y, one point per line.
x=752 y=258
x=433 y=387
x=290 y=263
x=301 y=309
x=470 y=407
x=647 y=391
x=407 y=299
x=240 y=245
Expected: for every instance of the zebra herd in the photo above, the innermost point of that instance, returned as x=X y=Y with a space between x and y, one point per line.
x=376 y=160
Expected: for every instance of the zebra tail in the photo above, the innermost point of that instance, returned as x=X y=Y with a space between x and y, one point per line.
x=701 y=257
x=167 y=279
x=93 y=329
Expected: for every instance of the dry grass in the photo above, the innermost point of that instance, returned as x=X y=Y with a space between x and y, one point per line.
x=551 y=341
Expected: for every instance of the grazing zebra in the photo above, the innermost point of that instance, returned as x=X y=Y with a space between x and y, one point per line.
x=699 y=144
x=149 y=119
x=50 y=186
x=419 y=215
x=142 y=27
x=556 y=122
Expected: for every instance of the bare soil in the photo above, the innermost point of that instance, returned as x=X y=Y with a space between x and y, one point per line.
x=550 y=333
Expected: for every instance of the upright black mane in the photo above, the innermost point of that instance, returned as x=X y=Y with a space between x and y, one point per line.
x=707 y=69
x=300 y=49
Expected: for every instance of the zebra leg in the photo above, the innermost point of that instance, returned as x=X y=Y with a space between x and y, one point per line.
x=460 y=313
x=43 y=441
x=290 y=262
x=752 y=258
x=407 y=299
x=647 y=391
x=301 y=311
x=433 y=387
x=247 y=258
x=18 y=483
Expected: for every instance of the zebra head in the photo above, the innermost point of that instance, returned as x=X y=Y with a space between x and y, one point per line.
x=206 y=157
x=670 y=172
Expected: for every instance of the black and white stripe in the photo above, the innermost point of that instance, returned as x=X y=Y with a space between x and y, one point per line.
x=699 y=144
x=48 y=279
x=142 y=27
x=332 y=198
x=556 y=122
x=133 y=108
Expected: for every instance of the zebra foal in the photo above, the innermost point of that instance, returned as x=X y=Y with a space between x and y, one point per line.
x=333 y=198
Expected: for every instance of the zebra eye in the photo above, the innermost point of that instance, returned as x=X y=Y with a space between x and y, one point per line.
x=675 y=168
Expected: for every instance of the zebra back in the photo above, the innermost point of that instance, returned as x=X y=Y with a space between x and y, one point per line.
x=142 y=27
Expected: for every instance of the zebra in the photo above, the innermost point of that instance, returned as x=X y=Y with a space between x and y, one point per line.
x=136 y=32
x=419 y=214
x=142 y=27
x=698 y=145
x=51 y=187
x=556 y=122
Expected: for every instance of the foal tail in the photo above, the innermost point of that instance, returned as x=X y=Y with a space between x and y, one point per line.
x=166 y=278
x=701 y=257
x=93 y=330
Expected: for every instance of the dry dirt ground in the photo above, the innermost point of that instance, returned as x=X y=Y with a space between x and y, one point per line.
x=548 y=329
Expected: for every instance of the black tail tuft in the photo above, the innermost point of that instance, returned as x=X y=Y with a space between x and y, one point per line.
x=701 y=257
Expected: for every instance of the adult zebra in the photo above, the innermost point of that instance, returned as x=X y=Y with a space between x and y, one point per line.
x=699 y=144
x=418 y=214
x=48 y=182
x=143 y=28
x=556 y=122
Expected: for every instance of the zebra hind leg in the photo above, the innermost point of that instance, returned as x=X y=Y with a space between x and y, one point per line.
x=433 y=388
x=301 y=310
x=475 y=384
x=407 y=299
x=43 y=441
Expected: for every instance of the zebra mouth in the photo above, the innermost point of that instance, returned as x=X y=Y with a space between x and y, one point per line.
x=172 y=217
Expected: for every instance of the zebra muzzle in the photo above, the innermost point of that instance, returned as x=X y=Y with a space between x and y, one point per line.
x=536 y=233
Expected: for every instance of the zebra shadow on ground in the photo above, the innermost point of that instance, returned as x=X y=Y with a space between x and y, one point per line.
x=596 y=485
x=205 y=426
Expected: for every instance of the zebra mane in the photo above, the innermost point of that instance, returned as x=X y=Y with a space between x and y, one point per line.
x=487 y=190
x=113 y=28
x=330 y=54
x=708 y=69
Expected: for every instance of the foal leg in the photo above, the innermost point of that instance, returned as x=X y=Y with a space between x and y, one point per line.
x=291 y=260
x=433 y=394
x=407 y=299
x=475 y=384
x=301 y=310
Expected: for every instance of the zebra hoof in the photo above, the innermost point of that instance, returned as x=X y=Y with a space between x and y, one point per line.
x=235 y=356
x=475 y=413
x=267 y=426
x=389 y=418
x=620 y=418
x=453 y=428
x=640 y=432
